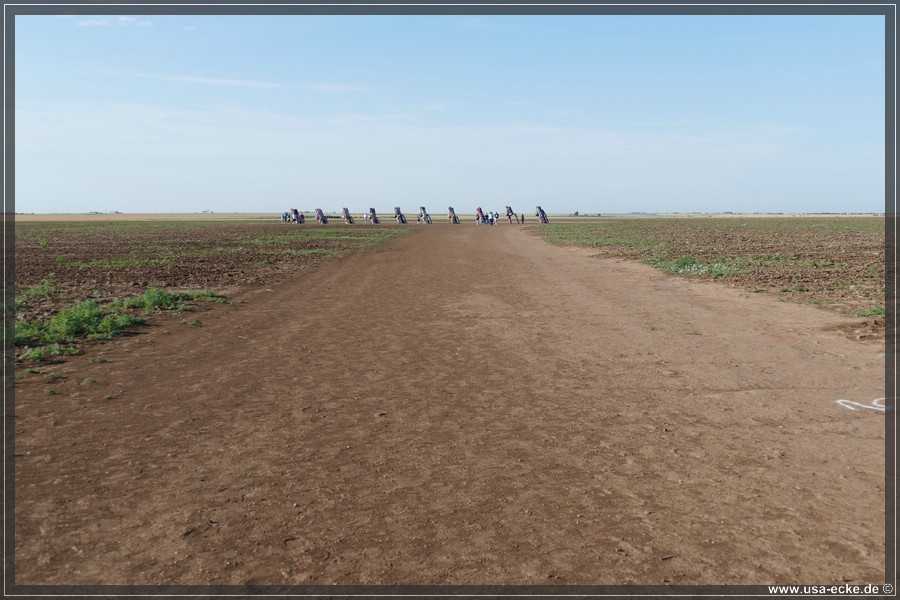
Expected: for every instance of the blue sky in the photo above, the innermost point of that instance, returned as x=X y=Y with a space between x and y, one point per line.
x=599 y=114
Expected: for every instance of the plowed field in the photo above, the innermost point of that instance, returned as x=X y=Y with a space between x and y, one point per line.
x=120 y=259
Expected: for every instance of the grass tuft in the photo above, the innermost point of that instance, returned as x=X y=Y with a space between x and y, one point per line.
x=41 y=290
x=688 y=265
x=86 y=320
x=158 y=299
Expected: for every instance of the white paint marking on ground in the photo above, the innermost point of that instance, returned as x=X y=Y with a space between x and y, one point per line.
x=877 y=404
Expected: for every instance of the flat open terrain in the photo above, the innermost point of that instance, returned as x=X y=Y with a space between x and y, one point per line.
x=468 y=405
x=835 y=263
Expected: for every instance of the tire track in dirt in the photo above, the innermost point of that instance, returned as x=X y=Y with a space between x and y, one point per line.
x=469 y=405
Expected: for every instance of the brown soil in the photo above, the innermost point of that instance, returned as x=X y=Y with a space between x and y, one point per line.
x=834 y=263
x=90 y=259
x=470 y=406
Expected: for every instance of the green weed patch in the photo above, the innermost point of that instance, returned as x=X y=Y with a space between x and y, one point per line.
x=42 y=290
x=38 y=340
x=118 y=263
x=690 y=266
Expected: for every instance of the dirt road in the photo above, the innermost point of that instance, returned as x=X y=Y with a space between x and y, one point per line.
x=468 y=406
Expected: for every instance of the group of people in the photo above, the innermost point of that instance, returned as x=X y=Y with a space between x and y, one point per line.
x=292 y=216
x=493 y=218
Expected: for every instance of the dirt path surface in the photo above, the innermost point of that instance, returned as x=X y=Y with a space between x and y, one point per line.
x=468 y=406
